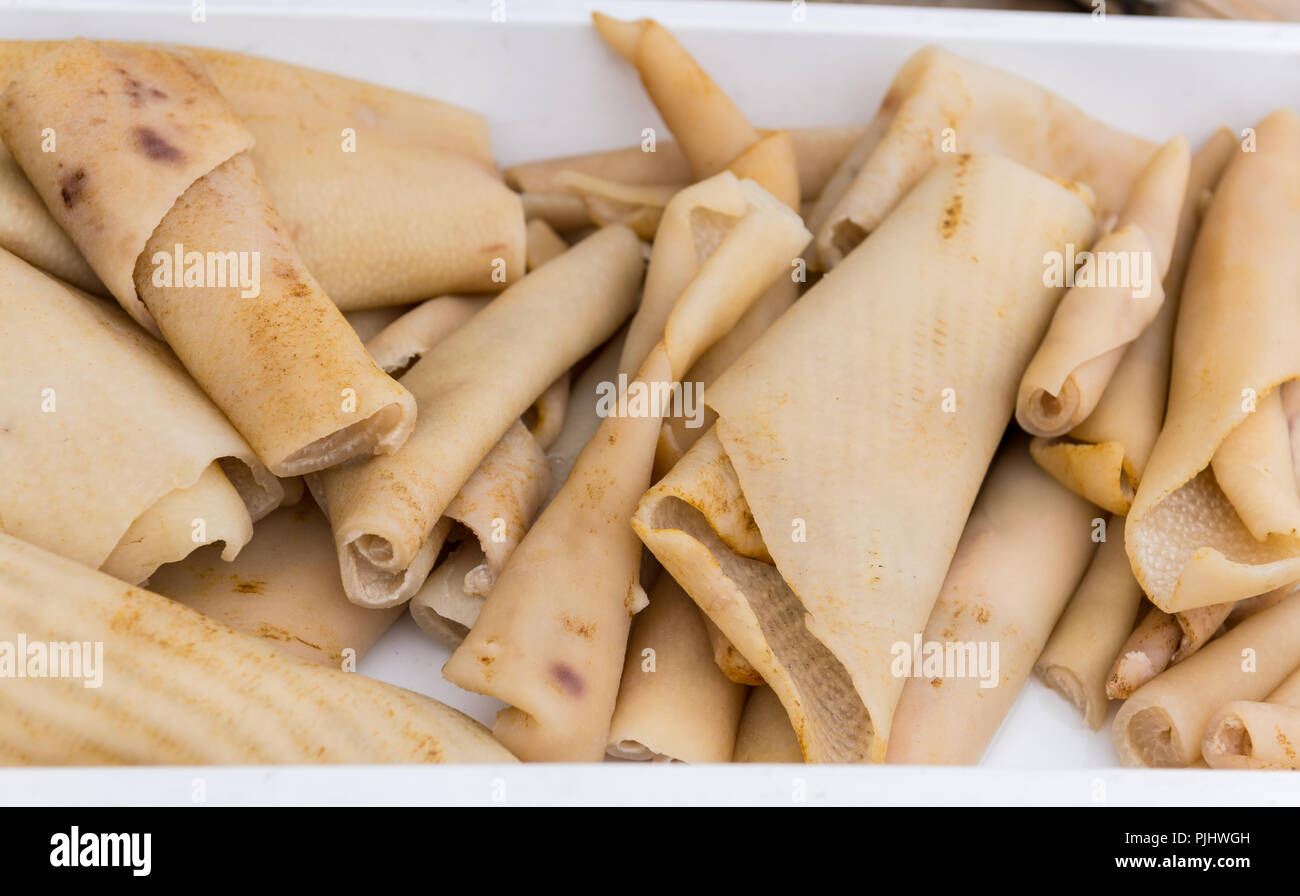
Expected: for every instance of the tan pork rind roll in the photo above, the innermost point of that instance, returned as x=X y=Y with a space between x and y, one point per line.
x=710 y=127
x=673 y=702
x=499 y=499
x=986 y=110
x=498 y=502
x=1103 y=457
x=266 y=88
x=28 y=231
x=152 y=160
x=1095 y=323
x=552 y=636
x=111 y=453
x=180 y=689
x=283 y=587
x=496 y=505
x=994 y=594
x=1147 y=652
x=1163 y=723
x=1077 y=660
x=819 y=443
x=1257 y=735
x=347 y=165
x=818 y=152
x=1216 y=516
x=472 y=386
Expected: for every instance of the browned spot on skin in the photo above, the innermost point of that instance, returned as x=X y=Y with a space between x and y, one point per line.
x=569 y=680
x=151 y=143
x=982 y=616
x=283 y=270
x=952 y=214
x=584 y=630
x=936 y=682
x=951 y=218
x=140 y=92
x=275 y=633
x=298 y=290
x=70 y=187
x=252 y=586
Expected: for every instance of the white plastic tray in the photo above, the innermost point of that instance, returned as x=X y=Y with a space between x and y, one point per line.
x=548 y=86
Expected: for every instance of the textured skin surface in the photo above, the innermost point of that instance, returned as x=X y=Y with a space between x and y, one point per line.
x=180 y=689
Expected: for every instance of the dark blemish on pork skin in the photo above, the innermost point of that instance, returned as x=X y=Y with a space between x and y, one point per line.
x=568 y=679
x=139 y=92
x=155 y=147
x=70 y=187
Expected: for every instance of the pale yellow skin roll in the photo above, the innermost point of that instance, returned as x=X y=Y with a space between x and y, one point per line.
x=1216 y=518
x=1257 y=735
x=789 y=478
x=1078 y=657
x=1165 y=720
x=152 y=173
x=176 y=688
x=1024 y=549
x=113 y=457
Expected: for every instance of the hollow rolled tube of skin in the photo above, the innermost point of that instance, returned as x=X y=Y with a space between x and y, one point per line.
x=688 y=99
x=496 y=505
x=712 y=130
x=1164 y=722
x=940 y=103
x=82 y=381
x=1091 y=632
x=552 y=636
x=765 y=734
x=499 y=499
x=472 y=386
x=709 y=127
x=158 y=192
x=994 y=613
x=810 y=481
x=173 y=687
x=1221 y=413
x=346 y=164
x=1097 y=320
x=28 y=231
x=1148 y=651
x=1257 y=734
x=282 y=587
x=1103 y=458
x=819 y=153
x=673 y=702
